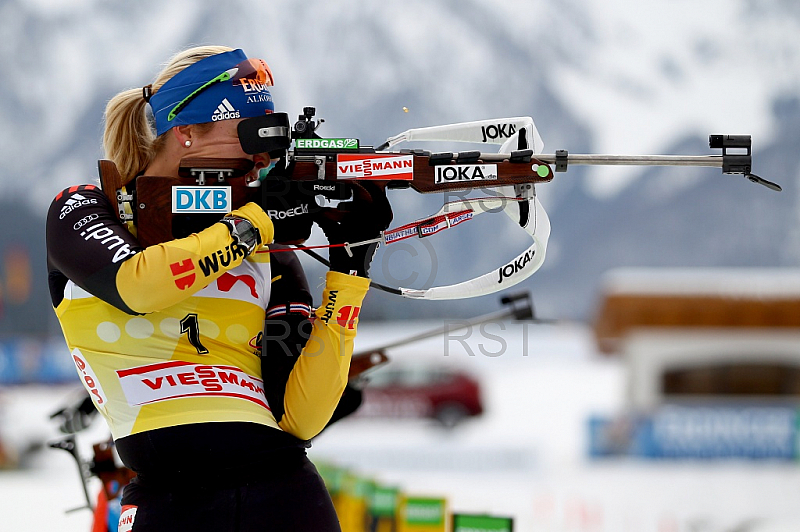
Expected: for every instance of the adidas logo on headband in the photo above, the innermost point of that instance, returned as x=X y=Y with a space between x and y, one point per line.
x=225 y=111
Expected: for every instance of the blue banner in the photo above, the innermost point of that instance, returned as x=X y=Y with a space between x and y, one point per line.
x=28 y=361
x=699 y=431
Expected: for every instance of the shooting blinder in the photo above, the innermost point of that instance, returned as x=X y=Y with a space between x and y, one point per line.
x=265 y=134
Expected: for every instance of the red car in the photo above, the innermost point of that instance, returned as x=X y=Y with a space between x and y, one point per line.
x=444 y=394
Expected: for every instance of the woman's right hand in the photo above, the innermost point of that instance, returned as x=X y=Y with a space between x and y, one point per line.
x=363 y=218
x=253 y=213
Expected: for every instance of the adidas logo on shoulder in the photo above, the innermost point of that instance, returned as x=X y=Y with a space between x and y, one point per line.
x=224 y=111
x=75 y=199
x=73 y=202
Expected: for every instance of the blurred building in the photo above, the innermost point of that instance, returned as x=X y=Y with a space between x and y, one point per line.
x=713 y=361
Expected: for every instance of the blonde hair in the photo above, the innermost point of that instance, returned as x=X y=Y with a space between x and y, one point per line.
x=128 y=137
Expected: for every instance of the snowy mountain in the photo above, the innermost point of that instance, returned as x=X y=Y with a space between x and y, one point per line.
x=621 y=76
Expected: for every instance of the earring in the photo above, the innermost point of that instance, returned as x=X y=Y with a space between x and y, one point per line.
x=187 y=143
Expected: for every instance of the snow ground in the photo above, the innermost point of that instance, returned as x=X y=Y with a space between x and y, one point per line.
x=525 y=457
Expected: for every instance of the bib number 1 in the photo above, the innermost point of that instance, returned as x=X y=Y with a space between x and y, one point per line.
x=190 y=326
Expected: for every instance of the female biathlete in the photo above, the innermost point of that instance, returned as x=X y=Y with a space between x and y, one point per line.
x=167 y=338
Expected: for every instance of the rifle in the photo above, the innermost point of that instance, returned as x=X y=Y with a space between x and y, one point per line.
x=316 y=158
x=328 y=167
x=75 y=418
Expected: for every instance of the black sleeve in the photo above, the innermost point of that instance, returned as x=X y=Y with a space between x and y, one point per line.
x=286 y=330
x=86 y=243
x=287 y=326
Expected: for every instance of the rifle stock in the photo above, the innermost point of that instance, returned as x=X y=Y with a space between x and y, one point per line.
x=512 y=169
x=149 y=198
x=110 y=180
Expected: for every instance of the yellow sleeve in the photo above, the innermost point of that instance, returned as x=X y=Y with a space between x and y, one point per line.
x=165 y=274
x=318 y=378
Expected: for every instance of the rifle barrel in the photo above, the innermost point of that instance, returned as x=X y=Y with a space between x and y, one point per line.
x=713 y=161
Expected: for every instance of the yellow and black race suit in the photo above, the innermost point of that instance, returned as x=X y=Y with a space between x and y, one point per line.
x=169 y=336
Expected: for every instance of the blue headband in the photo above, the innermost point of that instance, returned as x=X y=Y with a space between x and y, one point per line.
x=219 y=87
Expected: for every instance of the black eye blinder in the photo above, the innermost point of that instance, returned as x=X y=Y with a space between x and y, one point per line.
x=265 y=134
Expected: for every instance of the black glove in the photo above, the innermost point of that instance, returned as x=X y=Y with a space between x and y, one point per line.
x=362 y=218
x=290 y=207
